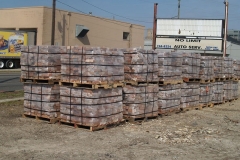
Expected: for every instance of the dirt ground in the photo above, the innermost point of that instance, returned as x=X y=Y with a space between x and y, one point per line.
x=9 y=95
x=211 y=133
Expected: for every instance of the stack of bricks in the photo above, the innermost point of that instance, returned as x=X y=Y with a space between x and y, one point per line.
x=169 y=67
x=206 y=72
x=190 y=95
x=206 y=94
x=90 y=107
x=218 y=92
x=88 y=65
x=191 y=65
x=228 y=67
x=91 y=86
x=207 y=76
x=140 y=101
x=235 y=93
x=190 y=74
x=140 y=95
x=218 y=65
x=41 y=62
x=42 y=100
x=41 y=66
x=170 y=79
x=236 y=69
x=169 y=98
x=228 y=93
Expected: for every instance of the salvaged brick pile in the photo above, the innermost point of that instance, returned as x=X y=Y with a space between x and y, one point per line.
x=206 y=68
x=206 y=93
x=92 y=65
x=228 y=93
x=218 y=92
x=191 y=65
x=218 y=67
x=41 y=99
x=91 y=107
x=169 y=66
x=169 y=97
x=140 y=65
x=190 y=94
x=236 y=69
x=41 y=62
x=235 y=93
x=228 y=67
x=140 y=99
x=69 y=76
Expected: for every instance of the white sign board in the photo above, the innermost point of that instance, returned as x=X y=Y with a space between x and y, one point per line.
x=189 y=44
x=190 y=27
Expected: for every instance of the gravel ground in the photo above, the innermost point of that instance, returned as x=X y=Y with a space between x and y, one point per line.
x=10 y=95
x=211 y=133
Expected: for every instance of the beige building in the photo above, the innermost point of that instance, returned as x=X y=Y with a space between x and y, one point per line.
x=72 y=28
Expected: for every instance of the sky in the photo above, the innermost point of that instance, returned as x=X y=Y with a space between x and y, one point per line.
x=141 y=11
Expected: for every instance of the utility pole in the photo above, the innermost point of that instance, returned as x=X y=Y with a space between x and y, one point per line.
x=225 y=28
x=179 y=9
x=154 y=26
x=53 y=21
x=130 y=36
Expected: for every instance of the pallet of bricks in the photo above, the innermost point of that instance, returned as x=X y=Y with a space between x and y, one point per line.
x=190 y=89
x=206 y=75
x=228 y=79
x=91 y=87
x=40 y=73
x=236 y=78
x=170 y=80
x=140 y=94
x=220 y=77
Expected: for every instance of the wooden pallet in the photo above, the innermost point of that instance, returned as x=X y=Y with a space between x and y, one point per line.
x=138 y=119
x=119 y=84
x=199 y=107
x=137 y=83
x=218 y=103
x=90 y=128
x=41 y=81
x=207 y=105
x=230 y=100
x=167 y=82
x=191 y=79
x=169 y=111
x=222 y=79
x=92 y=86
x=207 y=81
x=51 y=120
x=235 y=79
x=235 y=99
x=226 y=101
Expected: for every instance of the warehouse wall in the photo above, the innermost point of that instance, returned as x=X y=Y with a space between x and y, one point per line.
x=23 y=19
x=102 y=32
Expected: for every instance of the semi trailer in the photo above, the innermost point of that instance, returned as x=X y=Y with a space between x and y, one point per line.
x=10 y=47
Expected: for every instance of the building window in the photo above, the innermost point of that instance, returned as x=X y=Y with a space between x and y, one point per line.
x=125 y=35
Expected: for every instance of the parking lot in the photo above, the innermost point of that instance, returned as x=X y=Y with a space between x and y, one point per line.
x=10 y=80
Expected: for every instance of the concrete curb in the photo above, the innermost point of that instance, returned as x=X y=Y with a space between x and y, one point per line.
x=13 y=99
x=10 y=70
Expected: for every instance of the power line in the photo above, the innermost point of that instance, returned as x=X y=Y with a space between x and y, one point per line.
x=71 y=7
x=114 y=13
x=104 y=19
